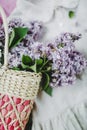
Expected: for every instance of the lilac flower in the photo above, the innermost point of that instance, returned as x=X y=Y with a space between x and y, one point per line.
x=79 y=62
x=12 y=62
x=34 y=33
x=70 y=64
x=68 y=37
x=15 y=23
x=36 y=30
x=65 y=61
x=37 y=50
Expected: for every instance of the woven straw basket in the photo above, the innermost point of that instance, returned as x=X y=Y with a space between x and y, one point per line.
x=18 y=89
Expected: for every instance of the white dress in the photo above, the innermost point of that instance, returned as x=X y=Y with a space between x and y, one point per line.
x=67 y=108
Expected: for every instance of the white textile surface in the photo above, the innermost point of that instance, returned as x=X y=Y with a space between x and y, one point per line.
x=67 y=108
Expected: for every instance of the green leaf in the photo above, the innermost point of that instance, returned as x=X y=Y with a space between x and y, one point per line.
x=46 y=80
x=16 y=68
x=26 y=60
x=33 y=68
x=48 y=69
x=46 y=61
x=24 y=66
x=11 y=37
x=16 y=36
x=45 y=84
x=39 y=64
x=28 y=63
x=71 y=14
x=39 y=61
x=49 y=90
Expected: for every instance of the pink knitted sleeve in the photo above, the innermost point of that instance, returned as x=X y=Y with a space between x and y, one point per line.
x=8 y=6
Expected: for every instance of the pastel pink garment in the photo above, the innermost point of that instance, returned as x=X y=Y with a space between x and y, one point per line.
x=8 y=6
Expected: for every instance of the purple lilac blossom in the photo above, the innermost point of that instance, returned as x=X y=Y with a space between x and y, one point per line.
x=37 y=50
x=23 y=48
x=69 y=63
x=66 y=61
x=35 y=29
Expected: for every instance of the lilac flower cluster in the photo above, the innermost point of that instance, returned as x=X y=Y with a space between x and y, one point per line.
x=35 y=28
x=67 y=67
x=34 y=33
x=65 y=61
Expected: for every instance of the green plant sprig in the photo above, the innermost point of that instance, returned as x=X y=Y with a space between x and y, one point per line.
x=41 y=65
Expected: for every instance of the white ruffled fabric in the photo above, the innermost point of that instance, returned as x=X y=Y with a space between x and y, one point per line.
x=67 y=108
x=41 y=10
x=74 y=118
x=67 y=3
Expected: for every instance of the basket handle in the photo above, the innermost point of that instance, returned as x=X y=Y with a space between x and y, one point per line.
x=5 y=24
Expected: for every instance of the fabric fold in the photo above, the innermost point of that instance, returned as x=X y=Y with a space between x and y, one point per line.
x=74 y=118
x=67 y=3
x=41 y=10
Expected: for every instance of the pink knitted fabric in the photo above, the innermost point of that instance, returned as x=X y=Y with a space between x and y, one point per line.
x=14 y=112
x=8 y=6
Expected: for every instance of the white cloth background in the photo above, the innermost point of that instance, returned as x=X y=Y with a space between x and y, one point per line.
x=67 y=108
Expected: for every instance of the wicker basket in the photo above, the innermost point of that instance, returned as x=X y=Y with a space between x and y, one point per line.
x=18 y=89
